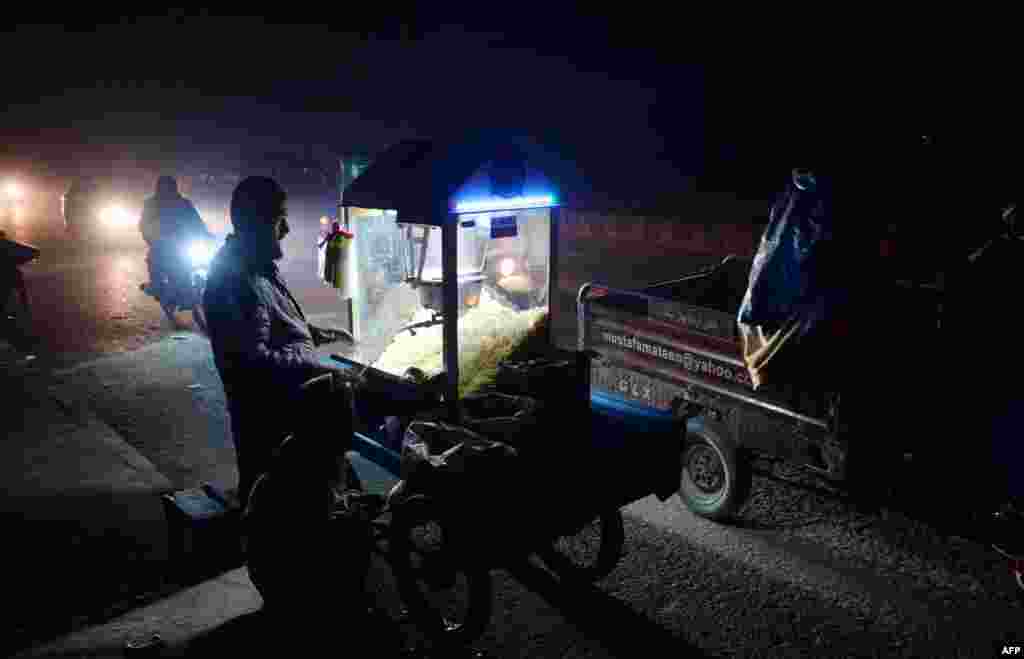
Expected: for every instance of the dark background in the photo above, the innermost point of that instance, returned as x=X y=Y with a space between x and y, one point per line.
x=618 y=98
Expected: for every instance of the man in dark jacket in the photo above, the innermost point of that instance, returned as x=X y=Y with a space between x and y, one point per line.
x=263 y=347
x=167 y=220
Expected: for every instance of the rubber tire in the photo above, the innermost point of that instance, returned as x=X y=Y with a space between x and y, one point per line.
x=274 y=584
x=480 y=589
x=257 y=564
x=613 y=539
x=738 y=476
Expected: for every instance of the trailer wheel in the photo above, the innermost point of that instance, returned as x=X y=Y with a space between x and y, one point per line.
x=715 y=478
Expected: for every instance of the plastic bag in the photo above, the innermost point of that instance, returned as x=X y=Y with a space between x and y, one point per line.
x=444 y=460
x=786 y=276
x=502 y=417
x=792 y=290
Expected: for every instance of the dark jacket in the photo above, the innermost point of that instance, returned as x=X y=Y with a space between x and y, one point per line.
x=264 y=350
x=170 y=216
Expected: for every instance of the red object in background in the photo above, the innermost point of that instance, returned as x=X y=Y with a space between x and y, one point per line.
x=336 y=230
x=885 y=248
x=840 y=328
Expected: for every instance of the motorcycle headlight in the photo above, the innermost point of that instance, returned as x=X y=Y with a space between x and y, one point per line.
x=14 y=191
x=200 y=253
x=116 y=215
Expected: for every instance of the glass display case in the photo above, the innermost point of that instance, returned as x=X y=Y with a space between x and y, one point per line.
x=502 y=284
x=454 y=256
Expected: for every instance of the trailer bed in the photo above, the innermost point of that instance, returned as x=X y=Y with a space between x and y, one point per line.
x=658 y=351
x=674 y=348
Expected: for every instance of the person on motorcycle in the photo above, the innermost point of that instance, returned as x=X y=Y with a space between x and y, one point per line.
x=168 y=220
x=263 y=347
x=11 y=281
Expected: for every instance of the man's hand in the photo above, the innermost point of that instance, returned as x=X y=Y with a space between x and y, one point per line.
x=323 y=335
x=345 y=376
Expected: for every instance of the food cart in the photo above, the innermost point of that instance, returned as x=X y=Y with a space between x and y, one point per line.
x=470 y=228
x=476 y=213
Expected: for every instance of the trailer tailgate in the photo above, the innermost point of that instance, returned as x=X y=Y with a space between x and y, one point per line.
x=651 y=350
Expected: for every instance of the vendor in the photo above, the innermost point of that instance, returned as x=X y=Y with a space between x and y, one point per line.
x=263 y=346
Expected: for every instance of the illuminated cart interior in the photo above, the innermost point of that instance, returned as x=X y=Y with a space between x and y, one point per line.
x=453 y=261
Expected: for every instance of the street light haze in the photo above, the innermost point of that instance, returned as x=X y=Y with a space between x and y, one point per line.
x=14 y=191
x=116 y=216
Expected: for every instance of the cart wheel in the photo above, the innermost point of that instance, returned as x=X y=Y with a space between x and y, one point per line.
x=591 y=553
x=714 y=480
x=258 y=557
x=285 y=552
x=449 y=600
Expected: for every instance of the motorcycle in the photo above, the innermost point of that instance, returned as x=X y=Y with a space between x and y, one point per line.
x=182 y=277
x=13 y=255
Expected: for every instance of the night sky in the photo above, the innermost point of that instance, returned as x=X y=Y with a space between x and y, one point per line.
x=618 y=99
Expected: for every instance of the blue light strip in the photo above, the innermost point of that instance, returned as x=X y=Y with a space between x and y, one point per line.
x=376 y=453
x=516 y=203
x=615 y=406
